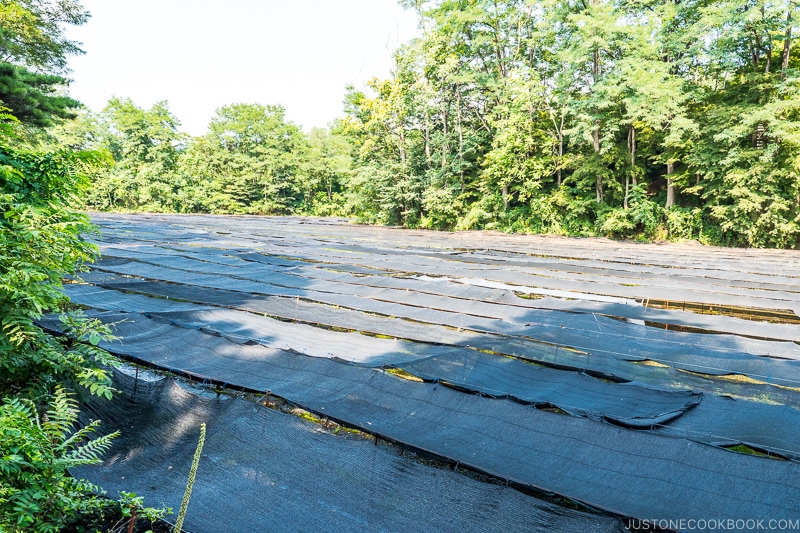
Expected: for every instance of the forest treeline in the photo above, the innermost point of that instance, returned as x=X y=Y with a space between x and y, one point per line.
x=622 y=118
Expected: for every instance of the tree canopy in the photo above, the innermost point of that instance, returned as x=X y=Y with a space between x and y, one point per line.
x=33 y=58
x=596 y=117
x=251 y=160
x=646 y=119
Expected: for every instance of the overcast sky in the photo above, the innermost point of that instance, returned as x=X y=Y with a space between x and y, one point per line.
x=202 y=54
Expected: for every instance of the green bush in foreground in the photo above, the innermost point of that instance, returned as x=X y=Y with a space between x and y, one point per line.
x=36 y=491
x=40 y=242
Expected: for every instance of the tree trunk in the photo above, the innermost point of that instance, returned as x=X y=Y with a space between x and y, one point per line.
x=445 y=147
x=427 y=138
x=560 y=132
x=498 y=48
x=599 y=183
x=633 y=152
x=460 y=139
x=596 y=132
x=560 y=157
x=754 y=57
x=632 y=174
x=402 y=144
x=627 y=192
x=505 y=196
x=458 y=122
x=670 y=186
x=769 y=57
x=787 y=42
x=755 y=49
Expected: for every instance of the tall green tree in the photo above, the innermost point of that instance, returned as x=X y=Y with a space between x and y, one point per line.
x=33 y=58
x=612 y=117
x=34 y=98
x=623 y=118
x=32 y=33
x=256 y=154
x=43 y=239
x=326 y=169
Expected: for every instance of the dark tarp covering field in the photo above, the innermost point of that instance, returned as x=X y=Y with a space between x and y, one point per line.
x=611 y=376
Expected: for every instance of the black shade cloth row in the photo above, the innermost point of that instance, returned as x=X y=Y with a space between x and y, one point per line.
x=263 y=470
x=443 y=307
x=295 y=273
x=593 y=462
x=597 y=335
x=237 y=317
x=243 y=234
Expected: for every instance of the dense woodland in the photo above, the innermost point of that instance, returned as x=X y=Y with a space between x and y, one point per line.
x=644 y=119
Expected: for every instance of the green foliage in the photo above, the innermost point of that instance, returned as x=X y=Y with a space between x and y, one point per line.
x=545 y=216
x=36 y=491
x=685 y=223
x=34 y=51
x=132 y=505
x=751 y=191
x=589 y=118
x=143 y=146
x=34 y=98
x=482 y=214
x=641 y=120
x=644 y=217
x=326 y=168
x=251 y=161
x=441 y=209
x=41 y=241
x=254 y=153
x=33 y=32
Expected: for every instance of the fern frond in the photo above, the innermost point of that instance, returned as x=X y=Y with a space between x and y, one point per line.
x=61 y=415
x=21 y=406
x=90 y=452
x=78 y=436
x=84 y=486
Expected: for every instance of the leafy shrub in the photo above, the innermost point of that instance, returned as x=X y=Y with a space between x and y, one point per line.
x=684 y=223
x=545 y=215
x=482 y=214
x=642 y=218
x=41 y=241
x=578 y=212
x=36 y=491
x=441 y=209
x=322 y=207
x=617 y=223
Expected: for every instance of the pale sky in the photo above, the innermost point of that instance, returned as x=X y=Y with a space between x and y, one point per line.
x=202 y=54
